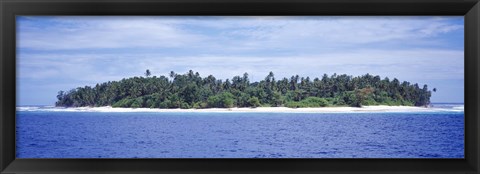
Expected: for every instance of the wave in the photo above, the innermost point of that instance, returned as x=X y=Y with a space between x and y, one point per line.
x=53 y=109
x=457 y=108
x=28 y=108
x=452 y=107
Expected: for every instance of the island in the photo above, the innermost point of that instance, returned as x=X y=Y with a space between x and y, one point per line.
x=191 y=91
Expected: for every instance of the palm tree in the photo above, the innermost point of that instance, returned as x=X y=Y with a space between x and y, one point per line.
x=147 y=73
x=172 y=75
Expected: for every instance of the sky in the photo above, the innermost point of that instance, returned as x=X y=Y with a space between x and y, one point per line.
x=64 y=52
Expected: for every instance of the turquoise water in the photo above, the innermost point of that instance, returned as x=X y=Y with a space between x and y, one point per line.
x=46 y=134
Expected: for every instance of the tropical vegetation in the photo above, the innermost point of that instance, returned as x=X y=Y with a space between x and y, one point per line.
x=190 y=90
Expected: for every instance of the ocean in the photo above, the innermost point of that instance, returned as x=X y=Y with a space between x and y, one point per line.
x=43 y=132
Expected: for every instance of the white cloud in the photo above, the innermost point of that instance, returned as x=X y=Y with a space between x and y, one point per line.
x=230 y=33
x=325 y=31
x=404 y=64
x=81 y=33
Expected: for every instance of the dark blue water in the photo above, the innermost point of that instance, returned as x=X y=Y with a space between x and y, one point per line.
x=43 y=134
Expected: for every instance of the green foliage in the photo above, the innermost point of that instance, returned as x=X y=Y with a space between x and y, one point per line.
x=124 y=103
x=136 y=104
x=200 y=105
x=277 y=99
x=254 y=102
x=223 y=100
x=184 y=106
x=308 y=102
x=190 y=90
x=350 y=99
x=315 y=102
x=293 y=104
x=336 y=101
x=164 y=104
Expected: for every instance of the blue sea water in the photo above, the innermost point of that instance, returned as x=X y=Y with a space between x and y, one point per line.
x=47 y=134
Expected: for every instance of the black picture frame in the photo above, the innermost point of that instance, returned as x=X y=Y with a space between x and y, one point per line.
x=11 y=8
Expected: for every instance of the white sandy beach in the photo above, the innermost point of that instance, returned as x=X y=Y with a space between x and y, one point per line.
x=380 y=108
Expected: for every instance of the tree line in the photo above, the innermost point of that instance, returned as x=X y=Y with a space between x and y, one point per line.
x=190 y=90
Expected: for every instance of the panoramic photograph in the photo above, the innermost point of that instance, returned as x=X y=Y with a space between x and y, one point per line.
x=240 y=87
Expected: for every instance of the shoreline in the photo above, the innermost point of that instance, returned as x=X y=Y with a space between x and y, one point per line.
x=377 y=108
